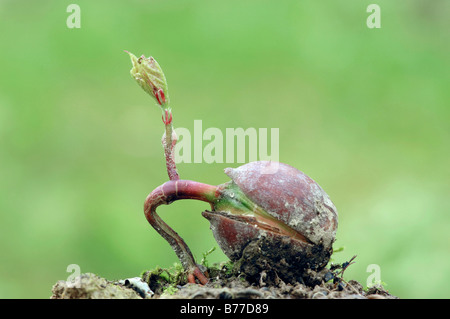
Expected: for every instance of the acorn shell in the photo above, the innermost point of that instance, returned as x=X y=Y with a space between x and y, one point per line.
x=290 y=196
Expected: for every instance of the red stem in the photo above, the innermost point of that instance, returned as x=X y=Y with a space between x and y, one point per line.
x=167 y=194
x=169 y=145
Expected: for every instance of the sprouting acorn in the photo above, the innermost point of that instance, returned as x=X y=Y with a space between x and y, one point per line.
x=281 y=221
x=270 y=217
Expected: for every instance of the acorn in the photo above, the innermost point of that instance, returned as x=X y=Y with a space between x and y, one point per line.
x=273 y=217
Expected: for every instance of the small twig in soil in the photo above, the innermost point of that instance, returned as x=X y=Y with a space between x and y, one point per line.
x=345 y=266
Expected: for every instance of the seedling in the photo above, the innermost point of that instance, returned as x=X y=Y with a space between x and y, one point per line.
x=269 y=217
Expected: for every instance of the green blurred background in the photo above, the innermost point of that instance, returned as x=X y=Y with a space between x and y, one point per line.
x=364 y=112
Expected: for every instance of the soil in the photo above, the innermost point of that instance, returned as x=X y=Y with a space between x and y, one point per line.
x=225 y=283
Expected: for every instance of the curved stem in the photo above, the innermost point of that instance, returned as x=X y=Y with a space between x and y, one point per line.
x=166 y=194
